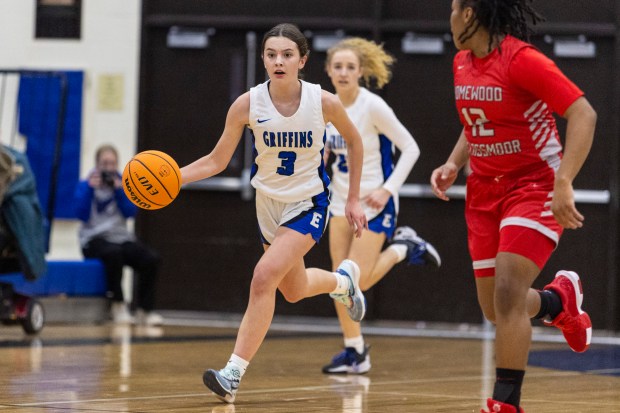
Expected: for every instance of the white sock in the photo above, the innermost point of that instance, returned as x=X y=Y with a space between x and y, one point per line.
x=356 y=342
x=400 y=250
x=343 y=284
x=238 y=364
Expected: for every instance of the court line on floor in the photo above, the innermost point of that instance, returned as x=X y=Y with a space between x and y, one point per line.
x=314 y=326
x=280 y=390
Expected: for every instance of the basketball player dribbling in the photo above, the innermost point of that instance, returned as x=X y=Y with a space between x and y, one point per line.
x=519 y=194
x=287 y=117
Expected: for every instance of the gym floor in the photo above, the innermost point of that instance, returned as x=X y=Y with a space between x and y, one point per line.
x=416 y=368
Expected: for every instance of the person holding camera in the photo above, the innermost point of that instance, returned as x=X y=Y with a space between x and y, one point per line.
x=103 y=208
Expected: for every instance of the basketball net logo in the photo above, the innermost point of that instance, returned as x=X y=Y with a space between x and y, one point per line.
x=164 y=171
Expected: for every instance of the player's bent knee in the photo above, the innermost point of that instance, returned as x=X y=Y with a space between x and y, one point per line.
x=488 y=311
x=292 y=293
x=262 y=282
x=506 y=300
x=489 y=315
x=292 y=296
x=365 y=284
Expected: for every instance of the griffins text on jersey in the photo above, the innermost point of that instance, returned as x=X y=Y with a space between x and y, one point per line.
x=288 y=139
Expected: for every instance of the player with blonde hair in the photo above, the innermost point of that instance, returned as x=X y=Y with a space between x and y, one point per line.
x=350 y=62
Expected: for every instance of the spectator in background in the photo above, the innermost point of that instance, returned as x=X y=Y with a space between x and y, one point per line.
x=103 y=208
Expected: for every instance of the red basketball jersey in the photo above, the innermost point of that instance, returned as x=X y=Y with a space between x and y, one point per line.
x=505 y=102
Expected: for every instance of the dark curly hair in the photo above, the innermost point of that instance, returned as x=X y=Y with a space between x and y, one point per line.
x=500 y=17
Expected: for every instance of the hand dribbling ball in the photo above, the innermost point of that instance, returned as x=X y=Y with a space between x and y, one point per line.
x=151 y=179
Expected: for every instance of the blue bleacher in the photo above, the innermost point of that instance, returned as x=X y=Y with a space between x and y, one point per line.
x=78 y=278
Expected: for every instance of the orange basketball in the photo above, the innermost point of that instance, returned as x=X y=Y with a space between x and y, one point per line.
x=151 y=179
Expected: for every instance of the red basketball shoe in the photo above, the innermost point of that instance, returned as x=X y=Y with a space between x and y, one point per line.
x=499 y=407
x=573 y=321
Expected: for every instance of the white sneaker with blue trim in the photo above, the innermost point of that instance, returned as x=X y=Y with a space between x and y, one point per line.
x=354 y=299
x=223 y=383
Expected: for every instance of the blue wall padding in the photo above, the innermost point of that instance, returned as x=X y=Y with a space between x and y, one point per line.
x=39 y=104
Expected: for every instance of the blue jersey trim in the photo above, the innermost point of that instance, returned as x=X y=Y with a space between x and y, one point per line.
x=254 y=155
x=387 y=156
x=301 y=223
x=321 y=170
x=262 y=237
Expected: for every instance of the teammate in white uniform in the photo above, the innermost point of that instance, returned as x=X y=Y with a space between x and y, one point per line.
x=347 y=63
x=287 y=117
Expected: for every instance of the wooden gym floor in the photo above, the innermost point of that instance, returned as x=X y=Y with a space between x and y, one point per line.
x=107 y=368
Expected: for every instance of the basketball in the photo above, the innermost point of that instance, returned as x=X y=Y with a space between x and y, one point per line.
x=151 y=179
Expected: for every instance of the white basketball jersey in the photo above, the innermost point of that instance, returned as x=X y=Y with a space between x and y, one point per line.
x=288 y=163
x=378 y=152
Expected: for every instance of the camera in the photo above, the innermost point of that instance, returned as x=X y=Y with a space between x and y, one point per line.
x=107 y=178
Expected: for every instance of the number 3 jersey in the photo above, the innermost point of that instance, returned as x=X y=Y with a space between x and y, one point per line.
x=288 y=151
x=505 y=102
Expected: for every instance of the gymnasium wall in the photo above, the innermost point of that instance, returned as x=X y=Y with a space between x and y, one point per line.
x=175 y=100
x=208 y=236
x=109 y=46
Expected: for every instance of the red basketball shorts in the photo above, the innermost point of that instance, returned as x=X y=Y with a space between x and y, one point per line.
x=510 y=215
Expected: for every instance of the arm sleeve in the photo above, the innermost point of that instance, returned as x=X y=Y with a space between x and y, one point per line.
x=533 y=71
x=83 y=199
x=387 y=124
